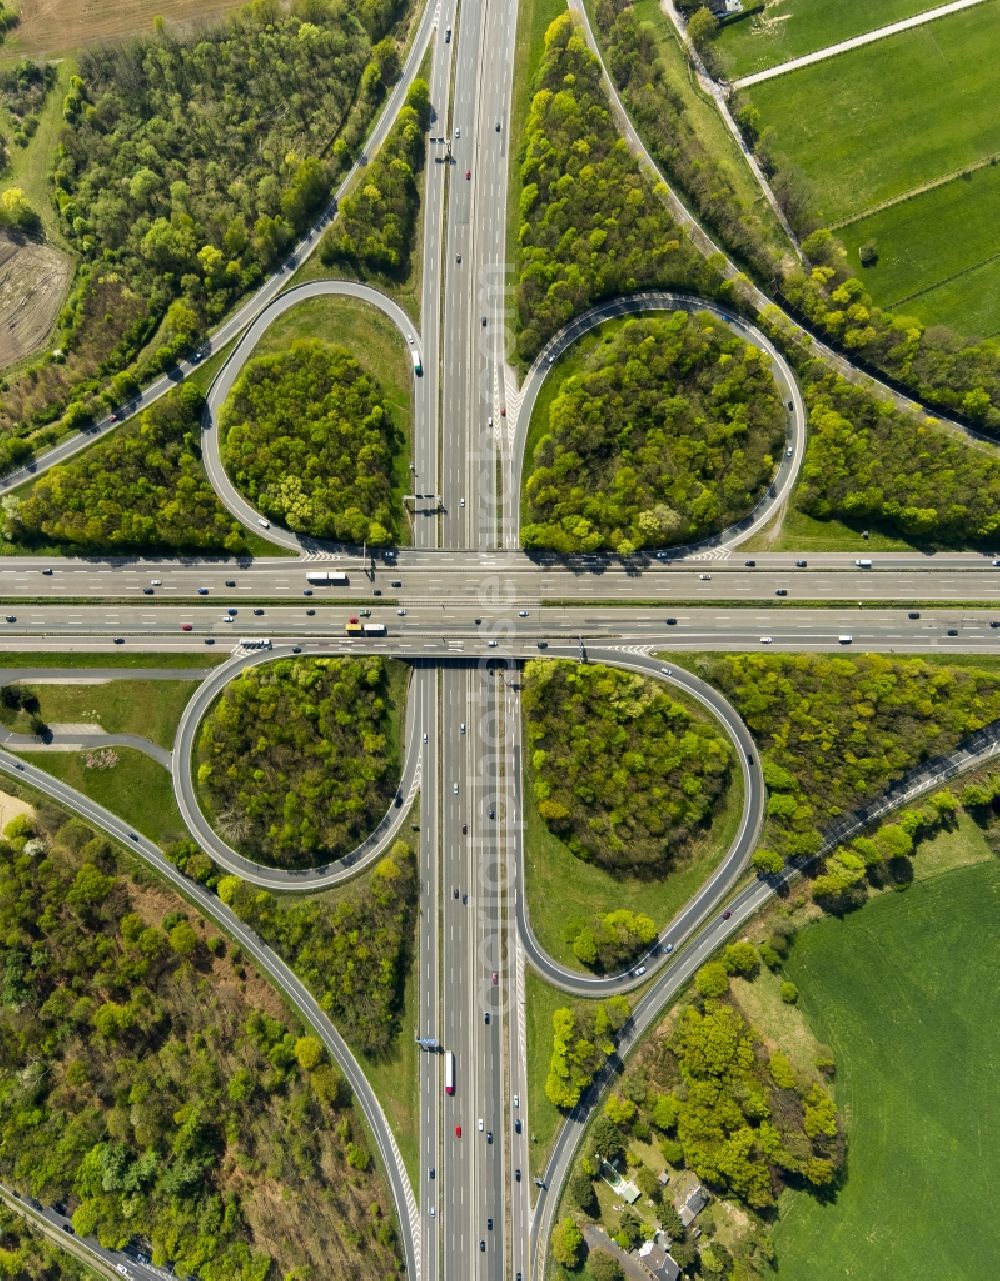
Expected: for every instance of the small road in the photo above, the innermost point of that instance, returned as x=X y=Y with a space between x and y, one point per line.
x=181 y=764
x=271 y=966
x=856 y=42
x=713 y=892
x=982 y=748
x=73 y=741
x=651 y=300
x=234 y=502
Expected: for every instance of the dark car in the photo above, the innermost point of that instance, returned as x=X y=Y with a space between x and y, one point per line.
x=489 y=1225
x=486 y=1016
x=517 y=1125
x=119 y=640
x=750 y=563
x=396 y=582
x=307 y=591
x=230 y=582
x=11 y=618
x=202 y=591
x=148 y=591
x=465 y=829
x=801 y=564
x=454 y=892
x=432 y=1172
x=482 y=1247
x=258 y=612
x=671 y=622
x=726 y=914
x=376 y=591
x=209 y=640
x=952 y=631
x=995 y=622
x=781 y=591
x=489 y=1136
x=493 y=812
x=67 y=1227
x=296 y=649
x=913 y=614
x=517 y=1179
x=310 y=613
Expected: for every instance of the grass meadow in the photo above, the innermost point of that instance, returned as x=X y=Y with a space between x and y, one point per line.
x=905 y=992
x=790 y=28
x=880 y=121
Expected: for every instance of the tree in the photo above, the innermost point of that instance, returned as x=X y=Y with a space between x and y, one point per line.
x=603 y=1266
x=702 y=27
x=741 y=958
x=581 y=1191
x=712 y=979
x=567 y=1243
x=308 y=1052
x=183 y=939
x=789 y=992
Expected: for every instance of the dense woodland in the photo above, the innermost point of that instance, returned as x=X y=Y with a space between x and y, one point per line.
x=375 y=225
x=591 y=226
x=310 y=442
x=869 y=463
x=607 y=942
x=669 y=434
x=583 y=1039
x=297 y=758
x=672 y=137
x=835 y=732
x=707 y=1095
x=164 y=1094
x=24 y=88
x=181 y=185
x=622 y=774
x=142 y=489
x=352 y=954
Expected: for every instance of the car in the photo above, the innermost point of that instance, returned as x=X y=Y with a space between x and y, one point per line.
x=396 y=582
x=461 y=728
x=228 y=618
x=789 y=452
x=671 y=622
x=410 y=339
x=482 y=1247
x=913 y=614
x=493 y=812
x=517 y=1179
x=47 y=572
x=432 y=1172
x=749 y=756
x=522 y=613
x=662 y=555
x=187 y=627
x=121 y=1269
x=68 y=1227
x=726 y=914
x=458 y=1131
x=364 y=613
x=496 y=978
x=489 y=1225
x=232 y=610
x=669 y=948
x=258 y=613
x=489 y=1136
x=952 y=631
x=263 y=522
x=461 y=502
x=458 y=257
x=552 y=358
x=801 y=564
x=517 y=1100
x=307 y=591
x=503 y=411
x=750 y=563
x=995 y=622
x=704 y=578
x=202 y=591
x=454 y=788
x=296 y=649
x=310 y=613
x=497 y=127
x=493 y=644
x=639 y=971
x=664 y=671
x=133 y=836
x=230 y=582
x=156 y=582
x=486 y=1016
x=790 y=405
x=468 y=174
x=465 y=829
x=11 y=618
x=376 y=591
x=148 y=591
x=484 y=326
x=517 y=1125
x=18 y=765
x=781 y=591
x=425 y=738
x=482 y=1127
x=447 y=35
x=113 y=417
x=432 y=1212
x=209 y=640
x=465 y=899
x=767 y=640
x=119 y=640
x=454 y=891
x=458 y=132
x=401 y=613
x=996 y=563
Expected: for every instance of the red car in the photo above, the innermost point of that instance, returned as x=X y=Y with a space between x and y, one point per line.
x=496 y=978
x=468 y=174
x=458 y=1131
x=726 y=914
x=186 y=627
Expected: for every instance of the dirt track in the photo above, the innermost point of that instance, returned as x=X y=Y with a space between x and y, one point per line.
x=33 y=281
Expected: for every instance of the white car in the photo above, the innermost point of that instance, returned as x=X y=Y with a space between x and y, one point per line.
x=121 y=1269
x=789 y=452
x=638 y=973
x=458 y=132
x=156 y=582
x=705 y=578
x=454 y=788
x=432 y=1212
x=517 y=1100
x=664 y=671
x=461 y=728
x=401 y=613
x=263 y=522
x=481 y=1126
x=493 y=644
x=765 y=640
x=228 y=618
x=409 y=339
x=522 y=613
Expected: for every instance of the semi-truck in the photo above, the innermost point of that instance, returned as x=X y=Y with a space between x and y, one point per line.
x=325 y=578
x=417 y=366
x=355 y=627
x=255 y=642
x=449 y=1073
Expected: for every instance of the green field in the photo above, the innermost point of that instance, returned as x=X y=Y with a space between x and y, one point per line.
x=905 y=992
x=150 y=709
x=790 y=28
x=882 y=120
x=28 y=658
x=541 y=1001
x=938 y=254
x=137 y=789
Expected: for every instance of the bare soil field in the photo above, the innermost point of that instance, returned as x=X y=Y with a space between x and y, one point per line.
x=33 y=282
x=54 y=26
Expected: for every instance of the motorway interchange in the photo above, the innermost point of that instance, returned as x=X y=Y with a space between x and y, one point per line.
x=466 y=608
